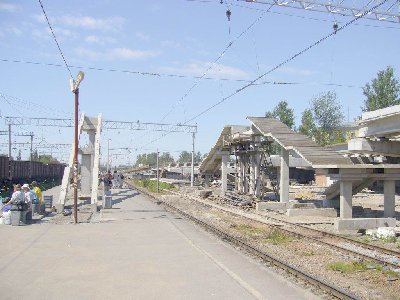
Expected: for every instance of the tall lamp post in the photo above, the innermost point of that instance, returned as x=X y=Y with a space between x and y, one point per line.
x=75 y=89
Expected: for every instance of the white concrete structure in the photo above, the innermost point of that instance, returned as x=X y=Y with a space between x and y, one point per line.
x=349 y=174
x=90 y=160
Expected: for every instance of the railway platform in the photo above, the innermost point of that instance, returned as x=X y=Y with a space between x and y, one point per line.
x=136 y=250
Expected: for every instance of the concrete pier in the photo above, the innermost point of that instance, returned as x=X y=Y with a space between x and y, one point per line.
x=284 y=176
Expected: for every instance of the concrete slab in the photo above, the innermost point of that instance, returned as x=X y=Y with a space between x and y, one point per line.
x=363 y=223
x=302 y=205
x=310 y=212
x=136 y=250
x=271 y=206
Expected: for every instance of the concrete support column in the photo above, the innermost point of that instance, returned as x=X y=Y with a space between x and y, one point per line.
x=389 y=190
x=92 y=144
x=224 y=173
x=239 y=175
x=346 y=194
x=252 y=186
x=245 y=174
x=257 y=174
x=284 y=176
x=207 y=178
x=86 y=178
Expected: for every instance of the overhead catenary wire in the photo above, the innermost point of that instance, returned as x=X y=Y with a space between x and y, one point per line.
x=143 y=73
x=230 y=44
x=301 y=52
x=55 y=40
x=297 y=54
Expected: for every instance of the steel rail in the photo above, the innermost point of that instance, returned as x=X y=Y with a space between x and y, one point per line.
x=323 y=285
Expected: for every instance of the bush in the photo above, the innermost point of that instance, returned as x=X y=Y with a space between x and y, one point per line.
x=151 y=185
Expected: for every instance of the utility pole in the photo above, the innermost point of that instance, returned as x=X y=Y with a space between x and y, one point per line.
x=158 y=175
x=10 y=175
x=75 y=89
x=192 y=174
x=31 y=135
x=9 y=141
x=76 y=92
x=108 y=155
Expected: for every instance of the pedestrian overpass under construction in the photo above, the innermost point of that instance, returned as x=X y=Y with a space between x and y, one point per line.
x=365 y=159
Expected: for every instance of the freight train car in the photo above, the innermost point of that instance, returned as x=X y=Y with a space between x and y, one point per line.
x=3 y=167
x=29 y=170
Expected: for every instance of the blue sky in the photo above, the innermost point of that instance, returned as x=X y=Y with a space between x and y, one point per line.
x=178 y=38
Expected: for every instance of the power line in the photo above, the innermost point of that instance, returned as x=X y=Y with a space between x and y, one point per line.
x=301 y=52
x=276 y=67
x=215 y=61
x=170 y=75
x=155 y=74
x=55 y=39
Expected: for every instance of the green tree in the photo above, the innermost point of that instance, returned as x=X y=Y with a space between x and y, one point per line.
x=185 y=157
x=383 y=91
x=328 y=116
x=307 y=126
x=198 y=157
x=165 y=159
x=283 y=112
x=47 y=159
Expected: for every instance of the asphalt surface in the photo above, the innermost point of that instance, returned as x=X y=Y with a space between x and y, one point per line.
x=136 y=250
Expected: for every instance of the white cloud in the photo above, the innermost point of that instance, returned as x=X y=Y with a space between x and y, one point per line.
x=217 y=70
x=117 y=53
x=142 y=36
x=101 y=40
x=111 y=23
x=86 y=22
x=8 y=7
x=61 y=33
x=170 y=44
x=296 y=71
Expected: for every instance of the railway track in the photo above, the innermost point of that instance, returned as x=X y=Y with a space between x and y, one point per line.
x=309 y=278
x=378 y=255
x=322 y=233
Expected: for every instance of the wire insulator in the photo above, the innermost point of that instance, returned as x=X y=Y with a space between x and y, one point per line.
x=335 y=27
x=228 y=14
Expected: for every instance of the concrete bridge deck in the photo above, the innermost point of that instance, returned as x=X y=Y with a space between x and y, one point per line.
x=137 y=250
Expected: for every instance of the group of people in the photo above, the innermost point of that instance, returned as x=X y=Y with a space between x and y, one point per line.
x=114 y=180
x=22 y=199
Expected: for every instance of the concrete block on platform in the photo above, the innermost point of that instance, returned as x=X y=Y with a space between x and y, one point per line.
x=312 y=212
x=363 y=223
x=107 y=201
x=302 y=205
x=271 y=206
x=59 y=208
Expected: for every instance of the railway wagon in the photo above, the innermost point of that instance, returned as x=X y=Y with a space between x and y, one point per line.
x=3 y=167
x=29 y=169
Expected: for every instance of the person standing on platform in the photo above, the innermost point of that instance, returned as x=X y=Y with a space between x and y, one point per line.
x=36 y=189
